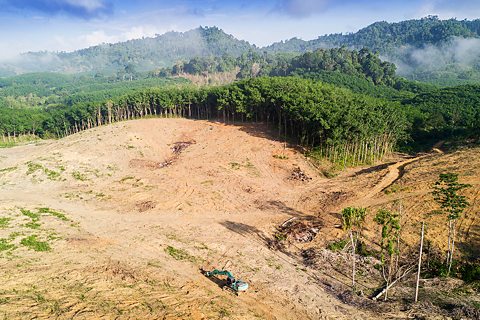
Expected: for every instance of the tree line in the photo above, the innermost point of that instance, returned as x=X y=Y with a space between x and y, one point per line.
x=345 y=126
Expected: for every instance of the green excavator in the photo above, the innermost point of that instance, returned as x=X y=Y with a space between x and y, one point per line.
x=232 y=283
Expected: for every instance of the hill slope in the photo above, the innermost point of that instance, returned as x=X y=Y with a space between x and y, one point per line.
x=131 y=212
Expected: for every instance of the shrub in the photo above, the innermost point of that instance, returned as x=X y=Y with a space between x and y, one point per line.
x=337 y=245
x=470 y=272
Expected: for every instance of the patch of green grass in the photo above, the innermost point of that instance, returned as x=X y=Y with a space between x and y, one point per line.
x=54 y=213
x=32 y=215
x=246 y=164
x=7 y=144
x=280 y=156
x=52 y=175
x=33 y=243
x=337 y=245
x=53 y=236
x=179 y=254
x=55 y=308
x=15 y=234
x=273 y=264
x=235 y=165
x=280 y=236
x=331 y=172
x=100 y=195
x=4 y=301
x=224 y=313
x=7 y=170
x=39 y=298
x=4 y=221
x=112 y=167
x=6 y=245
x=33 y=167
x=33 y=225
x=127 y=178
x=77 y=175
x=394 y=188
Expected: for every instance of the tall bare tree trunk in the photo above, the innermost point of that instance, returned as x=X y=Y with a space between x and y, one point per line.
x=419 y=262
x=452 y=248
x=353 y=259
x=449 y=248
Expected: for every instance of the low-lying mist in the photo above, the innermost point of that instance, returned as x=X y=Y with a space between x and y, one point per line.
x=458 y=54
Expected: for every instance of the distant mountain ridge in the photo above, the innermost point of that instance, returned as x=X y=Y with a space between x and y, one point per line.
x=141 y=54
x=444 y=52
x=427 y=49
x=384 y=36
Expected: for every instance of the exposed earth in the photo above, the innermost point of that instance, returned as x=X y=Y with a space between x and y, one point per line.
x=118 y=221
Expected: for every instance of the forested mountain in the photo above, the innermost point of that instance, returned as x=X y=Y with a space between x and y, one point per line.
x=445 y=52
x=429 y=49
x=140 y=55
x=387 y=37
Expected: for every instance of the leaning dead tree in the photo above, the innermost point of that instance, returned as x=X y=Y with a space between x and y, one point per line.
x=402 y=275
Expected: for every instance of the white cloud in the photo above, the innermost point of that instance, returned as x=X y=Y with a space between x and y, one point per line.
x=98 y=37
x=89 y=5
x=138 y=32
x=446 y=9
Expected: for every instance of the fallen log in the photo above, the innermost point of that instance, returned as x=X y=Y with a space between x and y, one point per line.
x=382 y=292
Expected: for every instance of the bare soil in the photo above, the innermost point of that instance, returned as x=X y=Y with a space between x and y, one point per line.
x=129 y=235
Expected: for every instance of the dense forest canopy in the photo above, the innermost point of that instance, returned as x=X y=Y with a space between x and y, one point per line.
x=446 y=112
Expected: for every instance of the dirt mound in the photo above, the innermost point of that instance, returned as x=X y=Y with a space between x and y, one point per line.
x=299 y=175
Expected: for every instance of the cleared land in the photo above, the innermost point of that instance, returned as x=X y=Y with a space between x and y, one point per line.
x=116 y=222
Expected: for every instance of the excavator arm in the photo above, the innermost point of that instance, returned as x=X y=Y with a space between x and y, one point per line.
x=232 y=283
x=217 y=272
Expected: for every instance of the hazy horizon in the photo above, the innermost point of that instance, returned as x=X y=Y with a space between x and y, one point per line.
x=68 y=25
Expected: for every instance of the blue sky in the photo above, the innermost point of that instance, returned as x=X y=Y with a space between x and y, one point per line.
x=65 y=25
